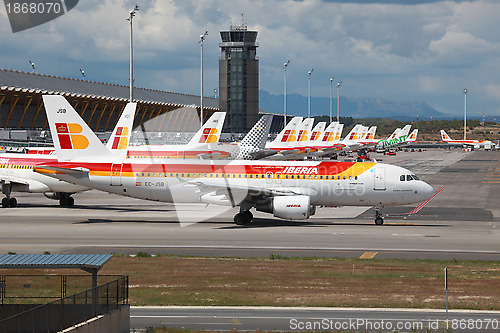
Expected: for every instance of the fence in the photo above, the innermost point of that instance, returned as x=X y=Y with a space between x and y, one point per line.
x=69 y=311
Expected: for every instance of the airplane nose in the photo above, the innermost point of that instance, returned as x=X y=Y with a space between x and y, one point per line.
x=425 y=191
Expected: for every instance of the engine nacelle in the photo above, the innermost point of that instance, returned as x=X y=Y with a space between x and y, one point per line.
x=294 y=207
x=215 y=199
x=52 y=195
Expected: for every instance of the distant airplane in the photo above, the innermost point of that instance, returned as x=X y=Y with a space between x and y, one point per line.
x=470 y=143
x=286 y=189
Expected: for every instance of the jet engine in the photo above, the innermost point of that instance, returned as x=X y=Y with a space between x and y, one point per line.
x=296 y=207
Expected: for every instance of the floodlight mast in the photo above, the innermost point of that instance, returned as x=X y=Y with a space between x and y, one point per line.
x=338 y=101
x=130 y=19
x=309 y=93
x=331 y=98
x=465 y=114
x=202 y=38
x=284 y=107
x=83 y=74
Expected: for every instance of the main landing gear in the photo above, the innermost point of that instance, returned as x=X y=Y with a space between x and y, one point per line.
x=8 y=201
x=243 y=217
x=66 y=200
x=379 y=220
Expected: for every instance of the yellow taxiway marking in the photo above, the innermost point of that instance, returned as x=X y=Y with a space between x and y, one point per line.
x=491 y=182
x=368 y=255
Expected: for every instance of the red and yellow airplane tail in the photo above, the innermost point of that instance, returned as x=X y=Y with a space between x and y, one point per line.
x=120 y=138
x=444 y=136
x=210 y=131
x=73 y=138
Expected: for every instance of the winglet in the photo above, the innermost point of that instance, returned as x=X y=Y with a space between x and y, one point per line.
x=73 y=138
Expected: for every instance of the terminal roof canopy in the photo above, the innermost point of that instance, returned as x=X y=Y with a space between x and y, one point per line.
x=49 y=84
x=81 y=261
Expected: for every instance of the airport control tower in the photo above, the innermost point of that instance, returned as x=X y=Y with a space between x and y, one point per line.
x=239 y=78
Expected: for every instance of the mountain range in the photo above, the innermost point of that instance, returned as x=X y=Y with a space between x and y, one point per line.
x=356 y=107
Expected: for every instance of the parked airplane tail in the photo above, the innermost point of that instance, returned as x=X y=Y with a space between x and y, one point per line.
x=444 y=136
x=370 y=134
x=210 y=131
x=393 y=135
x=120 y=138
x=289 y=133
x=317 y=132
x=73 y=138
x=304 y=129
x=354 y=133
x=328 y=134
x=413 y=136
x=253 y=144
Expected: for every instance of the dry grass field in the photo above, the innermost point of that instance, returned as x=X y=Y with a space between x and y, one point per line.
x=279 y=281
x=276 y=281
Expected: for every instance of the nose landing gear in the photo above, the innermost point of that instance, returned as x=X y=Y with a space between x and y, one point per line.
x=379 y=220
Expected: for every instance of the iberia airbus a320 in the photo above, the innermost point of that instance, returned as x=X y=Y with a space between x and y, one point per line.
x=286 y=189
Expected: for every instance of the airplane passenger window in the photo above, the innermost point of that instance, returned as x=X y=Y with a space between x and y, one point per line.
x=355 y=177
x=343 y=177
x=402 y=178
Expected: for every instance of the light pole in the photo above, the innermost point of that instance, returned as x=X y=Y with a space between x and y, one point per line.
x=202 y=38
x=338 y=101
x=331 y=98
x=284 y=105
x=83 y=74
x=309 y=94
x=130 y=19
x=465 y=114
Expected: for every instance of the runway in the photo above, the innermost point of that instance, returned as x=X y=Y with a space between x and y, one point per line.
x=462 y=222
x=314 y=319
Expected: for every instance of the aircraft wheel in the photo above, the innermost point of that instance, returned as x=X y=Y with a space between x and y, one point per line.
x=63 y=202
x=13 y=202
x=379 y=221
x=239 y=219
x=5 y=203
x=70 y=202
x=248 y=216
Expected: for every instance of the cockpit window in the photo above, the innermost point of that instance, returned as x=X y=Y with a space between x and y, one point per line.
x=408 y=178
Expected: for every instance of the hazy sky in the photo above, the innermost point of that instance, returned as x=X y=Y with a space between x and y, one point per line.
x=394 y=49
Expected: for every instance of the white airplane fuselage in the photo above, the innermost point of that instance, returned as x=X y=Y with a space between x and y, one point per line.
x=326 y=183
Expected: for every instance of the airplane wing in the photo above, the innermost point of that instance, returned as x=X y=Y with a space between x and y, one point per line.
x=5 y=180
x=263 y=153
x=252 y=191
x=209 y=156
